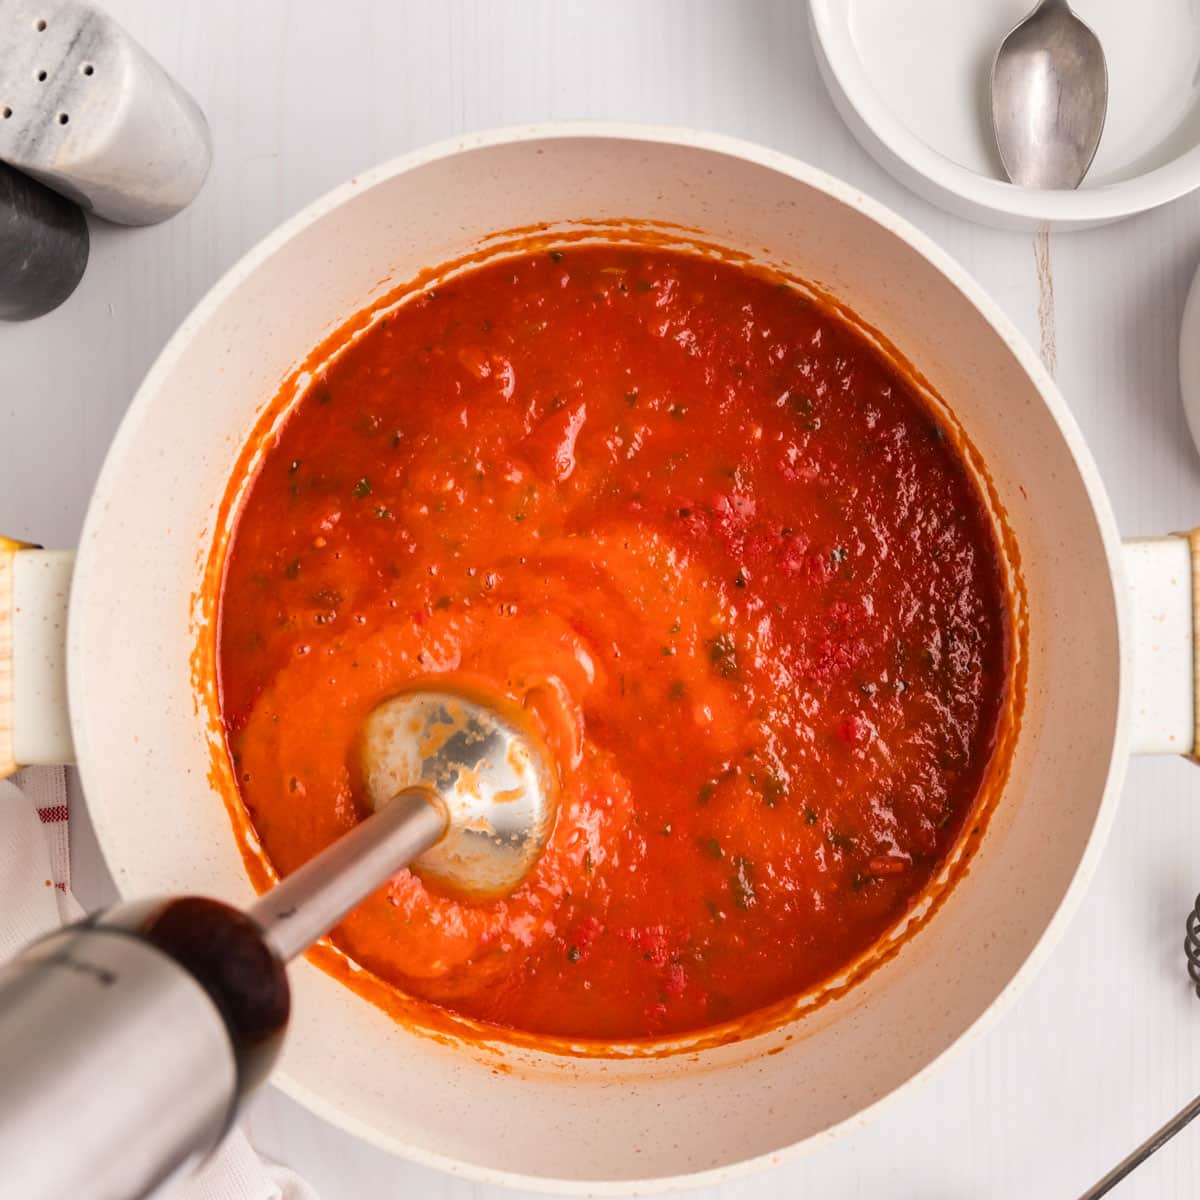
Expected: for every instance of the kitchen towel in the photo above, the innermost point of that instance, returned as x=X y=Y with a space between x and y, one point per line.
x=35 y=897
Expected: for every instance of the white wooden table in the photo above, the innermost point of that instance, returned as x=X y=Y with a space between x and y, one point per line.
x=301 y=95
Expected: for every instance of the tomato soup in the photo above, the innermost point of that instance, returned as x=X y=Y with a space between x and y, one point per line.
x=727 y=560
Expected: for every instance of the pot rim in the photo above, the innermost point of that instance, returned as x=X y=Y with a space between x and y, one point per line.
x=91 y=562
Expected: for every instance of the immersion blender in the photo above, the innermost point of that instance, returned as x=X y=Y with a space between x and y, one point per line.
x=129 y=1041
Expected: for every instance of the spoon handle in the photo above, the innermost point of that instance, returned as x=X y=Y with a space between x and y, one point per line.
x=1154 y=1142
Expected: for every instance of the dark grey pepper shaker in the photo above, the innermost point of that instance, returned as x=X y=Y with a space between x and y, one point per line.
x=43 y=247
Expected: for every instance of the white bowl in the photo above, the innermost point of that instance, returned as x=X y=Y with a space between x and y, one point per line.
x=912 y=82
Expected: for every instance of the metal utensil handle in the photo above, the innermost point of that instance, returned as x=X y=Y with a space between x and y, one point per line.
x=312 y=900
x=1155 y=1142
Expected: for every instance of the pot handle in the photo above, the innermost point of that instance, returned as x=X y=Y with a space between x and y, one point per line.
x=1163 y=578
x=35 y=727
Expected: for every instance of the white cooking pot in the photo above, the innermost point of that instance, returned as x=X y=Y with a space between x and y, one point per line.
x=1110 y=667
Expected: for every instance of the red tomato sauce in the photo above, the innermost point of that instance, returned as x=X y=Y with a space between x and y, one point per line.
x=724 y=556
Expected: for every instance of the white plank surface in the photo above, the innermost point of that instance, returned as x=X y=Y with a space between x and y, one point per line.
x=300 y=96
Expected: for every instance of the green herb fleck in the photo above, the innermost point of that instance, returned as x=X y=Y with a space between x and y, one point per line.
x=678 y=690
x=722 y=651
x=772 y=788
x=668 y=651
x=587 y=861
x=666 y=830
x=712 y=848
x=838 y=554
x=574 y=954
x=293 y=568
x=384 y=514
x=810 y=816
x=362 y=489
x=556 y=256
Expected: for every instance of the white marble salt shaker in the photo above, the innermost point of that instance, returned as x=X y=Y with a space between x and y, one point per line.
x=87 y=111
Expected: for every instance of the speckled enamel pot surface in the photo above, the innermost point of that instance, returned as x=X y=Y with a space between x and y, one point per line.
x=616 y=1123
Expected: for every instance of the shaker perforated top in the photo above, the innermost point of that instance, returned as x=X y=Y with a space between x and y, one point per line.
x=87 y=111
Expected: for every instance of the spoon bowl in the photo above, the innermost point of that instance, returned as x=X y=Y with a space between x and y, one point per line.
x=1049 y=98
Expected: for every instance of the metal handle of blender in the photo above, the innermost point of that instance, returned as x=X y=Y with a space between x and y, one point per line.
x=313 y=899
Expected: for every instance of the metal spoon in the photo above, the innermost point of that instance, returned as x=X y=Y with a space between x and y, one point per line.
x=1049 y=98
x=460 y=793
